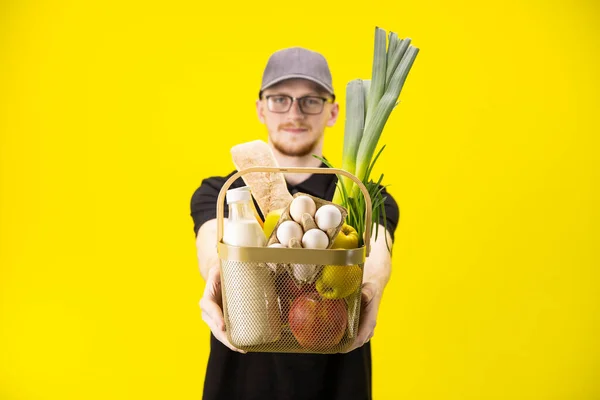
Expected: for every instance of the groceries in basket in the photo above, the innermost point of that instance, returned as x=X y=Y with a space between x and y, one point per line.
x=317 y=304
x=276 y=299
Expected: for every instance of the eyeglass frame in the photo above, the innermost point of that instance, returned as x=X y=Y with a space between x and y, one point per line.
x=295 y=99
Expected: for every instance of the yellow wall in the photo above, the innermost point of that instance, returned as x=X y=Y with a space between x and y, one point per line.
x=112 y=113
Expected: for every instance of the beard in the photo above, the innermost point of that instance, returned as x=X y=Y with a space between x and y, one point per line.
x=295 y=148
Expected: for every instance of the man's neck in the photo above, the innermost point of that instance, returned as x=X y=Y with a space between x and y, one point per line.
x=303 y=161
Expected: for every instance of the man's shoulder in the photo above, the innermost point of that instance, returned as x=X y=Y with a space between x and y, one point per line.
x=213 y=184
x=204 y=198
x=218 y=179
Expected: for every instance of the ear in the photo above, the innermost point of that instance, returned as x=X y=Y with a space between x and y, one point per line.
x=333 y=114
x=260 y=111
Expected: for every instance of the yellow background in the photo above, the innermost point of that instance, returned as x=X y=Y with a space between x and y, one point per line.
x=112 y=113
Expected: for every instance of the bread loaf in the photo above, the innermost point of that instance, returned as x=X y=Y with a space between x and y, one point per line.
x=268 y=188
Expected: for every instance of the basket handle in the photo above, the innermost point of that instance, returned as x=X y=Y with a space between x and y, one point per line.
x=297 y=170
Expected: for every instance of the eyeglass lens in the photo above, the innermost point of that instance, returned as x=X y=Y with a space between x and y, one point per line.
x=308 y=104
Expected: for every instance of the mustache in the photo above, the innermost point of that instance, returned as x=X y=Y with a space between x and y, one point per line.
x=294 y=126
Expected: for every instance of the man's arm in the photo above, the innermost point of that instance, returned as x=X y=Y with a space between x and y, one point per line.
x=206 y=247
x=377 y=272
x=210 y=269
x=378 y=266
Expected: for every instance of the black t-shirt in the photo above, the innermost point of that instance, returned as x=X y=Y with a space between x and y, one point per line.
x=279 y=376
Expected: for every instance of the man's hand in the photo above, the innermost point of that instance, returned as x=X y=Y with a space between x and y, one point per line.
x=378 y=267
x=211 y=305
x=370 y=300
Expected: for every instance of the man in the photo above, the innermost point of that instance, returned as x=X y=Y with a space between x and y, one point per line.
x=296 y=103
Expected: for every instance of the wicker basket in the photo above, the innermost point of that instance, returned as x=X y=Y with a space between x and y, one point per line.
x=267 y=309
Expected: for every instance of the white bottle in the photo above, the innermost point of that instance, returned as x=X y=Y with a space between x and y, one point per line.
x=242 y=228
x=249 y=287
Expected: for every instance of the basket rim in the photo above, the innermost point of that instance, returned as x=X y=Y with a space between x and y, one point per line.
x=288 y=255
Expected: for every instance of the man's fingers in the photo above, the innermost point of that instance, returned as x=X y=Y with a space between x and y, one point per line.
x=367 y=293
x=213 y=313
x=366 y=328
x=212 y=324
x=213 y=316
x=364 y=335
x=222 y=337
x=370 y=336
x=363 y=338
x=214 y=274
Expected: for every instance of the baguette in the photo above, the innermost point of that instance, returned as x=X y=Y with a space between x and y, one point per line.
x=268 y=188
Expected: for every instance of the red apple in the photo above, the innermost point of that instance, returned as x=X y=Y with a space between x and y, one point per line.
x=317 y=323
x=288 y=290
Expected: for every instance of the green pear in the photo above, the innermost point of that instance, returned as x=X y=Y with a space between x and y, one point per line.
x=346 y=239
x=339 y=281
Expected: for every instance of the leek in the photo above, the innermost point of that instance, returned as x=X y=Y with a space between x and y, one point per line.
x=395 y=59
x=369 y=105
x=366 y=86
x=374 y=126
x=392 y=44
x=378 y=74
x=353 y=130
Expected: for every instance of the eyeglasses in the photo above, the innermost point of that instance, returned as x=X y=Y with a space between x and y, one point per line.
x=280 y=103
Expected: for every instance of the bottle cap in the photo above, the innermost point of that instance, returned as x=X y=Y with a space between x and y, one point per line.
x=238 y=194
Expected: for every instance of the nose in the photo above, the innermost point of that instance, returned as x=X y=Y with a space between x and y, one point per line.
x=295 y=112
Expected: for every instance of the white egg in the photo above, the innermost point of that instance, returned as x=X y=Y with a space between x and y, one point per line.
x=327 y=217
x=288 y=230
x=301 y=205
x=315 y=239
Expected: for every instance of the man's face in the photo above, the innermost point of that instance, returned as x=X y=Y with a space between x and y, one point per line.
x=295 y=133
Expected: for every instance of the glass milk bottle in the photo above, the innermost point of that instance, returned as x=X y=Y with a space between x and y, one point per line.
x=242 y=228
x=249 y=287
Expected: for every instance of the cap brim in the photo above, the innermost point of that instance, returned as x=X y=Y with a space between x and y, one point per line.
x=300 y=76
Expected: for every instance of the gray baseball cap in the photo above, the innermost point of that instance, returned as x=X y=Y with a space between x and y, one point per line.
x=297 y=62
